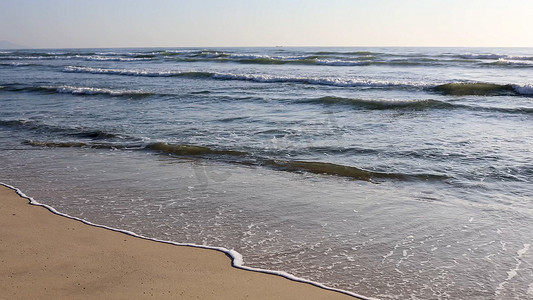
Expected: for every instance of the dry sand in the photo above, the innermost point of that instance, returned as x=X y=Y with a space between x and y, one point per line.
x=46 y=256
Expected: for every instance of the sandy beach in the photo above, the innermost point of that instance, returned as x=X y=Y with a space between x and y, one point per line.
x=45 y=256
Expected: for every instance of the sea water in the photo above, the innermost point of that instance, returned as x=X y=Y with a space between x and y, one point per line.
x=391 y=173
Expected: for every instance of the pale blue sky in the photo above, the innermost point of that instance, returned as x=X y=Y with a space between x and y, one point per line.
x=204 y=23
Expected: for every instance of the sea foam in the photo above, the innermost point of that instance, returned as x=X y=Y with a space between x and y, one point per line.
x=96 y=91
x=237 y=260
x=262 y=78
x=525 y=89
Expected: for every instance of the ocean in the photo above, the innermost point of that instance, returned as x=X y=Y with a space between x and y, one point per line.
x=389 y=173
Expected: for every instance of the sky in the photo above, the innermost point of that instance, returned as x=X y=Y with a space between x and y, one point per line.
x=210 y=23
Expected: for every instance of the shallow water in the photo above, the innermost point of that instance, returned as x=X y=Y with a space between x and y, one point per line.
x=388 y=172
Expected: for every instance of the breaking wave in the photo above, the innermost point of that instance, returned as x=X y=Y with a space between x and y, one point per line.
x=327 y=58
x=494 y=56
x=340 y=82
x=426 y=104
x=126 y=72
x=114 y=58
x=383 y=104
x=99 y=91
x=483 y=89
x=74 y=90
x=356 y=53
x=453 y=88
x=331 y=81
x=18 y=64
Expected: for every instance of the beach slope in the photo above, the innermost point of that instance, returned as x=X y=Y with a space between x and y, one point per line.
x=46 y=256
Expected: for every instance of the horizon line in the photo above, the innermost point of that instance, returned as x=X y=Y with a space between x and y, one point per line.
x=270 y=46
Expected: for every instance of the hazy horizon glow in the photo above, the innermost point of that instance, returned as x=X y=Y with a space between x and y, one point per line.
x=208 y=23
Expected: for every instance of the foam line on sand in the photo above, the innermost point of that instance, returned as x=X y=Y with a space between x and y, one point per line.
x=46 y=256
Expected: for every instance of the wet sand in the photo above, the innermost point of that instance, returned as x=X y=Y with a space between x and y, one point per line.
x=47 y=256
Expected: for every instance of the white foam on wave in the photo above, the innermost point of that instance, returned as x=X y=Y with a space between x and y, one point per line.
x=74 y=69
x=94 y=91
x=329 y=81
x=16 y=64
x=337 y=62
x=115 y=53
x=522 y=89
x=19 y=57
x=180 y=51
x=512 y=63
x=262 y=78
x=261 y=56
x=237 y=260
x=30 y=57
x=249 y=56
x=482 y=56
x=57 y=53
x=496 y=56
x=210 y=54
x=520 y=57
x=513 y=272
x=111 y=58
x=525 y=89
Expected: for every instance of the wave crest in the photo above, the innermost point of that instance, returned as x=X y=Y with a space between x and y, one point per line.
x=99 y=91
x=476 y=89
x=373 y=104
x=331 y=81
x=332 y=169
x=383 y=104
x=191 y=150
x=244 y=158
x=75 y=90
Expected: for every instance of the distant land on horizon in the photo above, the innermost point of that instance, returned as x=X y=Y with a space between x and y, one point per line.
x=10 y=45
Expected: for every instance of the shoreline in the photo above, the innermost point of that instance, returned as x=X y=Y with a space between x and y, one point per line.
x=55 y=255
